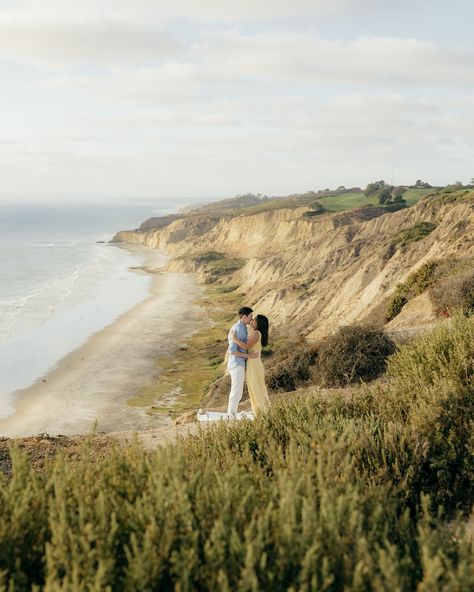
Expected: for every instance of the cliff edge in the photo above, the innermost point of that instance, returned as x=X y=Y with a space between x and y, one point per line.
x=311 y=274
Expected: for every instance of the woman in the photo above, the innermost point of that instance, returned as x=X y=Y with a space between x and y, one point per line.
x=255 y=372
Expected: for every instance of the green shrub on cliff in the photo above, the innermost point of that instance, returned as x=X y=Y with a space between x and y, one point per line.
x=450 y=283
x=414 y=233
x=416 y=283
x=315 y=209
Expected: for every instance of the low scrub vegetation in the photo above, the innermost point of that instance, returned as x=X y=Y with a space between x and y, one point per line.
x=454 y=293
x=450 y=284
x=315 y=209
x=216 y=266
x=291 y=367
x=416 y=283
x=330 y=493
x=353 y=354
x=414 y=233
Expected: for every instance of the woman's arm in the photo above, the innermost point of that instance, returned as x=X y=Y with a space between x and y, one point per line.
x=252 y=340
x=249 y=356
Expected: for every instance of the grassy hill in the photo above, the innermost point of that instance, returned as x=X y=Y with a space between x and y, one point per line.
x=336 y=201
x=349 y=201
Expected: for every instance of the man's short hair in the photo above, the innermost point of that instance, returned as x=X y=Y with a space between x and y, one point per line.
x=245 y=311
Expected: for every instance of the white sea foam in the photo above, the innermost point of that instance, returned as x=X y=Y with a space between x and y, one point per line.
x=58 y=284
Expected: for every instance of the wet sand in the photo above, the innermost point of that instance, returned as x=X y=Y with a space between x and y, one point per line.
x=90 y=387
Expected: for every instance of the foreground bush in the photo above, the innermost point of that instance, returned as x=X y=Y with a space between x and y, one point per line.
x=352 y=354
x=329 y=493
x=445 y=354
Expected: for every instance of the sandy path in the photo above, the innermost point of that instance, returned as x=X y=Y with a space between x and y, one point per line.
x=94 y=383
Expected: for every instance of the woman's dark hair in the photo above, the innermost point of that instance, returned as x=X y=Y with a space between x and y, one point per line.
x=262 y=326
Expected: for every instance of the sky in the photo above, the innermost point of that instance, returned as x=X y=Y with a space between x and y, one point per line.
x=121 y=100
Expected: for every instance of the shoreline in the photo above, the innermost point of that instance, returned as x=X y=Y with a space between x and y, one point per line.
x=89 y=388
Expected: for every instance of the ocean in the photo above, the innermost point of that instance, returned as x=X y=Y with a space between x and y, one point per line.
x=59 y=284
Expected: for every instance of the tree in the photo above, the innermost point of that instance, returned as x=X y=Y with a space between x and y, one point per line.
x=374 y=188
x=422 y=184
x=384 y=194
x=397 y=194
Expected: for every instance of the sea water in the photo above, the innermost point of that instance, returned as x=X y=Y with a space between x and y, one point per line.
x=59 y=283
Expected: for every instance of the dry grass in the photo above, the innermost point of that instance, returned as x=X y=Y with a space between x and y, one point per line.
x=454 y=293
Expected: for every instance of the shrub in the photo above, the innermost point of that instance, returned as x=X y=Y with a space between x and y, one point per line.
x=208 y=256
x=398 y=301
x=315 y=209
x=352 y=354
x=416 y=283
x=291 y=367
x=432 y=394
x=328 y=493
x=414 y=233
x=311 y=496
x=445 y=354
x=395 y=206
x=455 y=293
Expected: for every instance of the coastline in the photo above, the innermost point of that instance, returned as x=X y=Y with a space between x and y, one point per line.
x=90 y=388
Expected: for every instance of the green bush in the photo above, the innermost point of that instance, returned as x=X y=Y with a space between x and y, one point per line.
x=315 y=209
x=414 y=233
x=445 y=354
x=433 y=394
x=208 y=257
x=353 y=354
x=397 y=301
x=416 y=283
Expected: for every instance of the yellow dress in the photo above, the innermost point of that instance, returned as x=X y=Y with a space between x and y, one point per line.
x=255 y=377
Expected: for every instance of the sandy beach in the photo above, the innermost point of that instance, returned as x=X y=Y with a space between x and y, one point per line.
x=90 y=387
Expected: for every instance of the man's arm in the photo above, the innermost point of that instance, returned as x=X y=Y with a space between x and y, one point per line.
x=234 y=347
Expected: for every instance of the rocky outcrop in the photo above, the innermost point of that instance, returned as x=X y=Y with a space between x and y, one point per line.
x=312 y=274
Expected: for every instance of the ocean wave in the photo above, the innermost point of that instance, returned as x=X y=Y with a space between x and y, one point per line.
x=82 y=280
x=28 y=310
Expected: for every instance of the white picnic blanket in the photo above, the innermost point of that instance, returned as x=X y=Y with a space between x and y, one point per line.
x=217 y=416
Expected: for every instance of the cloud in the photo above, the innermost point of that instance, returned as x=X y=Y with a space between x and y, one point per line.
x=228 y=62
x=308 y=59
x=92 y=42
x=153 y=98
x=163 y=11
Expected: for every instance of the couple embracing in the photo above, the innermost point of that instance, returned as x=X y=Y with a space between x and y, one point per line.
x=246 y=339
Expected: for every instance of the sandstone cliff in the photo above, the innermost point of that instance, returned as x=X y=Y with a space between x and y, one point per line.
x=312 y=274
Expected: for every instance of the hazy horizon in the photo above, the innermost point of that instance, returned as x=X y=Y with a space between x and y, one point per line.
x=118 y=101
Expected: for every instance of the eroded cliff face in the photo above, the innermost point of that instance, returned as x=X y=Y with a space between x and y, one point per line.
x=314 y=274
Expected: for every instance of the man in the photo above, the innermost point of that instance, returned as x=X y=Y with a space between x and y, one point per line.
x=237 y=357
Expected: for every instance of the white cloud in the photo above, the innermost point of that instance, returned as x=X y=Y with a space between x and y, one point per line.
x=89 y=42
x=226 y=58
x=163 y=11
x=153 y=98
x=308 y=59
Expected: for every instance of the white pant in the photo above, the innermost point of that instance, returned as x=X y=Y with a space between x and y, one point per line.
x=237 y=377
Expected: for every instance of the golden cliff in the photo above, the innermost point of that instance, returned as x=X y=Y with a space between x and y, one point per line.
x=314 y=274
